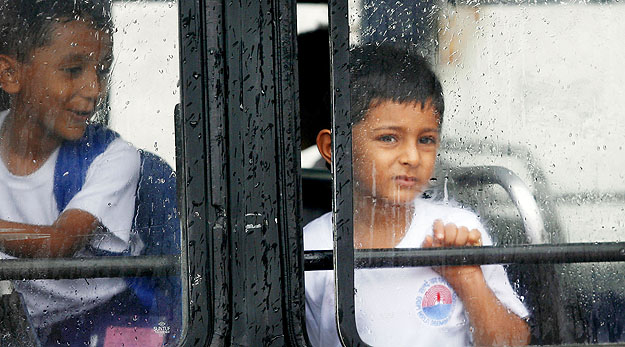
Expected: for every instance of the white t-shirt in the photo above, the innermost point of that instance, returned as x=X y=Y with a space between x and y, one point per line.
x=108 y=194
x=400 y=306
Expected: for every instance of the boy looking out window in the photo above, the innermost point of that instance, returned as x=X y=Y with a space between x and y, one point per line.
x=397 y=111
x=54 y=63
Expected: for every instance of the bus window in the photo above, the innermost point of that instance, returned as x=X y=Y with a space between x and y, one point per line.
x=147 y=41
x=546 y=91
x=524 y=152
x=144 y=90
x=91 y=211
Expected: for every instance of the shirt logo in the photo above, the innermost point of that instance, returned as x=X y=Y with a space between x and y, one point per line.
x=162 y=328
x=435 y=302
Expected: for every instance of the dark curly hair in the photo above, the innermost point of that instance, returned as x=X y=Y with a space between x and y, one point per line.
x=390 y=73
x=26 y=24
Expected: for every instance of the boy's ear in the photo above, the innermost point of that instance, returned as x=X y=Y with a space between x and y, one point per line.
x=324 y=145
x=9 y=81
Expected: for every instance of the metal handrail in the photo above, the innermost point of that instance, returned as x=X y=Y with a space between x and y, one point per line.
x=522 y=254
x=517 y=190
x=316 y=175
x=93 y=267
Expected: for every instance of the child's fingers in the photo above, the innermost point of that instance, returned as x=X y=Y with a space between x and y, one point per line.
x=449 y=235
x=462 y=237
x=451 y=231
x=475 y=238
x=439 y=233
x=427 y=243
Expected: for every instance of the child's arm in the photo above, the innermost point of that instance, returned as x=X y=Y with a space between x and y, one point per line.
x=68 y=234
x=104 y=207
x=492 y=322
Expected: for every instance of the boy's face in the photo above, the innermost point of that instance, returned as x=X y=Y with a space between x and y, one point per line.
x=62 y=82
x=394 y=151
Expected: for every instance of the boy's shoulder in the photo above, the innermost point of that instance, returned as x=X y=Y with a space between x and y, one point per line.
x=318 y=233
x=97 y=139
x=99 y=150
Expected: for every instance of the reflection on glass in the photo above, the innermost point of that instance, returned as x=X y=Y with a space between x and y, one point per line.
x=73 y=187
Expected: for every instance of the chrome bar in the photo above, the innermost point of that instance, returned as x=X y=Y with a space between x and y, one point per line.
x=517 y=190
x=95 y=267
x=522 y=254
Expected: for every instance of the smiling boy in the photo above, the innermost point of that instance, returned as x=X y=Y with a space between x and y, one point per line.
x=54 y=62
x=397 y=111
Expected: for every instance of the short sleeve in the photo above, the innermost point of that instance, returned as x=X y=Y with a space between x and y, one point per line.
x=109 y=194
x=498 y=282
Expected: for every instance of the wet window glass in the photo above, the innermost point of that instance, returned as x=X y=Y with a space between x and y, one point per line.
x=474 y=124
x=87 y=172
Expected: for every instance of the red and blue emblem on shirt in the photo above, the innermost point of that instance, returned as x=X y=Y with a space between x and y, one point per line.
x=435 y=302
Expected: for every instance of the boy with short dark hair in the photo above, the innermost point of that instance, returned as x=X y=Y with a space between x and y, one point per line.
x=397 y=111
x=55 y=58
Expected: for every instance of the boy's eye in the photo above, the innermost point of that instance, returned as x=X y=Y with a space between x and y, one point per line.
x=427 y=140
x=103 y=71
x=73 y=71
x=388 y=138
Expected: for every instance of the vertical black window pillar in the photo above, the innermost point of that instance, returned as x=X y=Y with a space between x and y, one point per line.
x=263 y=154
x=239 y=120
x=199 y=213
x=342 y=200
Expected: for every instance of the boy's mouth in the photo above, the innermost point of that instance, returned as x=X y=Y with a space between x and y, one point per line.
x=406 y=181
x=81 y=116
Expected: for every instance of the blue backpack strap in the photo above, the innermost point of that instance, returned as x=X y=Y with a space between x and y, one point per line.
x=74 y=160
x=156 y=214
x=156 y=222
x=158 y=226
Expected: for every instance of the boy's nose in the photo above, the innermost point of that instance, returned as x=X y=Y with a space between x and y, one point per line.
x=91 y=85
x=410 y=156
